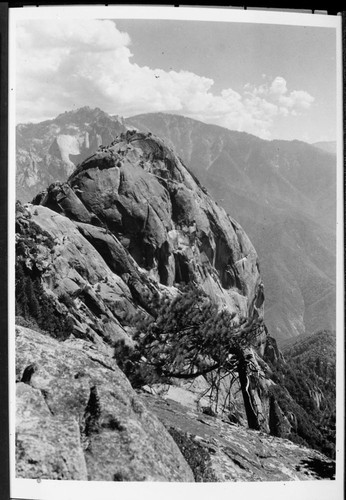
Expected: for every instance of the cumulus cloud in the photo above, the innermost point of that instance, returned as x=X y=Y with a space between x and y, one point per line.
x=297 y=100
x=63 y=65
x=278 y=86
x=277 y=93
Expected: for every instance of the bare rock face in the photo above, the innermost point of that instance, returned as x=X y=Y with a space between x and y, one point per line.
x=138 y=191
x=155 y=227
x=221 y=450
x=78 y=418
x=283 y=195
x=68 y=265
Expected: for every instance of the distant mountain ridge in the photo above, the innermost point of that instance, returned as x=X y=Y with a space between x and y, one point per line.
x=329 y=146
x=282 y=193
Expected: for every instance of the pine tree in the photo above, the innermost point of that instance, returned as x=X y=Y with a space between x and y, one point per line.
x=189 y=336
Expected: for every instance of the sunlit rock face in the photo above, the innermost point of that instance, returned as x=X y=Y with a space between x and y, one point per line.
x=219 y=450
x=135 y=197
x=283 y=193
x=79 y=418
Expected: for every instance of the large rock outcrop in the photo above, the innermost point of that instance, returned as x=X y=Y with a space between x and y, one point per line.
x=79 y=418
x=136 y=199
x=132 y=220
x=283 y=194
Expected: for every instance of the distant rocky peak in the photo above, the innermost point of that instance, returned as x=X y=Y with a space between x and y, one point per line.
x=81 y=115
x=89 y=119
x=50 y=150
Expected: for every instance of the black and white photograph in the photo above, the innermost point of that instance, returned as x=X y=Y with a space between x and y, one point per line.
x=176 y=218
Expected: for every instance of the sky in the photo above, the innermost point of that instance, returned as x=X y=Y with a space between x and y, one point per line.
x=276 y=82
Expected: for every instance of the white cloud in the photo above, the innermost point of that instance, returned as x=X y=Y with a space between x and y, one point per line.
x=278 y=86
x=68 y=64
x=296 y=101
x=287 y=103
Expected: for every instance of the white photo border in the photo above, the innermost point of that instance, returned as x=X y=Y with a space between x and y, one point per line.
x=50 y=490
